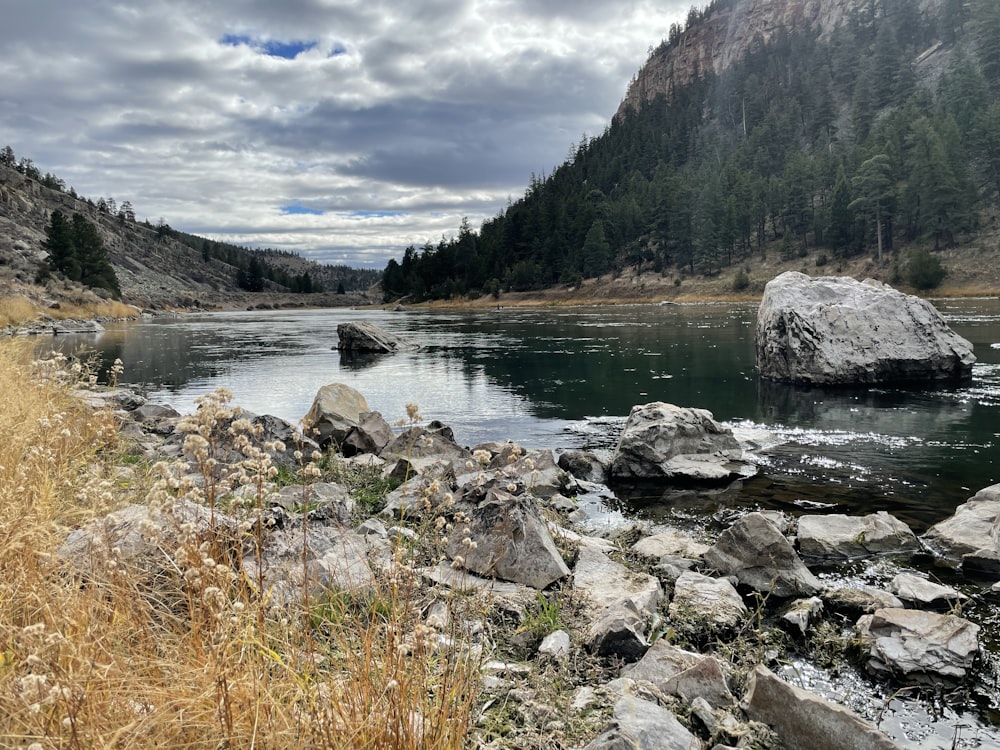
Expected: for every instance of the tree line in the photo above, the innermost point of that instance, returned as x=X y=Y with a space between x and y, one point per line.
x=832 y=144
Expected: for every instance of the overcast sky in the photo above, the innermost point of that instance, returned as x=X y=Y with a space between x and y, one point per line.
x=344 y=130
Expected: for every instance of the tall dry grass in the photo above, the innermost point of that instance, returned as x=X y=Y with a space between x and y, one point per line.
x=194 y=657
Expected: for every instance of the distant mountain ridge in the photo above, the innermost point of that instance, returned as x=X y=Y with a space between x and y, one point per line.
x=156 y=266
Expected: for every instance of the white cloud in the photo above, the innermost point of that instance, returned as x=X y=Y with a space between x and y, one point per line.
x=408 y=115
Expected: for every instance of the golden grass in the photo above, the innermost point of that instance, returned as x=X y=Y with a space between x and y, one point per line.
x=15 y=310
x=192 y=658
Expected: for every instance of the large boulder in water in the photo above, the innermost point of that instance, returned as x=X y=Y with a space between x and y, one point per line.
x=839 y=331
x=361 y=336
x=663 y=441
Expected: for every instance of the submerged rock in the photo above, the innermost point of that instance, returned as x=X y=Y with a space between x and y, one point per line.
x=839 y=331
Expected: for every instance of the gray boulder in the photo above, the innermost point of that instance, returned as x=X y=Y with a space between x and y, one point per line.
x=583 y=465
x=862 y=599
x=507 y=539
x=620 y=631
x=837 y=536
x=335 y=411
x=361 y=336
x=663 y=441
x=839 y=331
x=643 y=725
x=370 y=435
x=974 y=526
x=806 y=720
x=911 y=643
x=685 y=674
x=759 y=555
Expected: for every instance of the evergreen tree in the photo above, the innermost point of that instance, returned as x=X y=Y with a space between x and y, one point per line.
x=874 y=190
x=840 y=233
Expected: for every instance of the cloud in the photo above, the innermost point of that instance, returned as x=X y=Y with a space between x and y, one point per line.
x=340 y=129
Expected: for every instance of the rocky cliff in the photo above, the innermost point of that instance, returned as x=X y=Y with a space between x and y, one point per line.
x=724 y=35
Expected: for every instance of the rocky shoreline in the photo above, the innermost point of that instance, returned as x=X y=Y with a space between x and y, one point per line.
x=596 y=631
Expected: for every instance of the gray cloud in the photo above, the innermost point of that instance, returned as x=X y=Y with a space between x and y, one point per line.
x=422 y=112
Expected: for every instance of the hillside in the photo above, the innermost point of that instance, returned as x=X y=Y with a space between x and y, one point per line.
x=156 y=266
x=860 y=135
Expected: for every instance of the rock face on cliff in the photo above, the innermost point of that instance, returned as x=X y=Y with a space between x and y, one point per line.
x=838 y=331
x=726 y=34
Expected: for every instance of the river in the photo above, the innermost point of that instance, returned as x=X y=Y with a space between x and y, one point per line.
x=567 y=378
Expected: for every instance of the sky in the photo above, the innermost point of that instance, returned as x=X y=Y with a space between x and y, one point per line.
x=343 y=130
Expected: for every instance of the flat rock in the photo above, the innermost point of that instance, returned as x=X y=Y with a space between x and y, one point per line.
x=837 y=536
x=909 y=642
x=839 y=331
x=806 y=720
x=711 y=599
x=918 y=590
x=643 y=725
x=859 y=600
x=760 y=556
x=605 y=582
x=669 y=543
x=974 y=526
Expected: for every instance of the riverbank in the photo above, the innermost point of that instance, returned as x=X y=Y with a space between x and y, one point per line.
x=399 y=646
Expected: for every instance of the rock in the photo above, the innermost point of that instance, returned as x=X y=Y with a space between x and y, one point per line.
x=156 y=418
x=335 y=560
x=839 y=331
x=713 y=600
x=144 y=539
x=754 y=551
x=644 y=725
x=682 y=673
x=370 y=435
x=800 y=613
x=909 y=642
x=275 y=429
x=583 y=465
x=418 y=442
x=663 y=441
x=860 y=600
x=555 y=645
x=506 y=538
x=620 y=631
x=604 y=582
x=669 y=543
x=806 y=720
x=361 y=336
x=536 y=470
x=975 y=525
x=918 y=590
x=422 y=493
x=836 y=536
x=335 y=411
x=335 y=498
x=984 y=563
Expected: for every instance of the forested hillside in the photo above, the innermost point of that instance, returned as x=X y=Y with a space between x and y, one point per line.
x=880 y=136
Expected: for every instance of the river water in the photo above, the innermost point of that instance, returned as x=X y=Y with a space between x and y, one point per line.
x=567 y=378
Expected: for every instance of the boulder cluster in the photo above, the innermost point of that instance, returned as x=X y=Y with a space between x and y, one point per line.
x=643 y=604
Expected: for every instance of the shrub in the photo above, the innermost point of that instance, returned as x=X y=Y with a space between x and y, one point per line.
x=924 y=271
x=741 y=281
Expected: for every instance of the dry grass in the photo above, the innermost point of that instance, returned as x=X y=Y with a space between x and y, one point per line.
x=194 y=657
x=15 y=310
